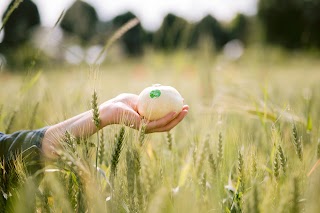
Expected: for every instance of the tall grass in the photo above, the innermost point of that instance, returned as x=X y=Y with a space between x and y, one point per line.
x=243 y=164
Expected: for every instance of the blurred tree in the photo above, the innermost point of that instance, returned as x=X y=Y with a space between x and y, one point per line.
x=149 y=37
x=174 y=32
x=209 y=27
x=311 y=34
x=20 y=23
x=18 y=29
x=240 y=28
x=291 y=23
x=80 y=20
x=282 y=21
x=135 y=38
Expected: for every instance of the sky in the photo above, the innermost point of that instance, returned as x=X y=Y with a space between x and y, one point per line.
x=150 y=12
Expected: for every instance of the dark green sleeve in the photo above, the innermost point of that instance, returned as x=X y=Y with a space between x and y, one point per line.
x=20 y=142
x=24 y=145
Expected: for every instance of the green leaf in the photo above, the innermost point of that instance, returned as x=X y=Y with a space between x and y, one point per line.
x=309 y=123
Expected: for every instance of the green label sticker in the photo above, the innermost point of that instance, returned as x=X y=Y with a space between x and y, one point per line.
x=155 y=93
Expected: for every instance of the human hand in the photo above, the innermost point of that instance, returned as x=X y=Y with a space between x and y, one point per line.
x=123 y=110
x=119 y=110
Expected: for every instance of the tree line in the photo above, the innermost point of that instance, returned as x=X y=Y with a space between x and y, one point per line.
x=292 y=24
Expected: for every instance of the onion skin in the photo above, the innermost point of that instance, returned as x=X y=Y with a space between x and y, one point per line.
x=157 y=101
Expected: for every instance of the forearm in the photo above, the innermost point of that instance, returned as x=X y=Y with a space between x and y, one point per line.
x=119 y=110
x=80 y=126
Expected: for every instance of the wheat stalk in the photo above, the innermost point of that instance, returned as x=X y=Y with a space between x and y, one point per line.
x=240 y=171
x=202 y=156
x=130 y=179
x=102 y=147
x=45 y=205
x=95 y=110
x=140 y=203
x=137 y=172
x=276 y=166
x=169 y=140
x=203 y=183
x=149 y=186
x=283 y=159
x=70 y=142
x=118 y=34
x=297 y=142
x=255 y=206
x=161 y=176
x=142 y=133
x=253 y=164
x=96 y=121
x=73 y=192
x=295 y=208
x=220 y=149
x=116 y=152
x=194 y=153
x=212 y=163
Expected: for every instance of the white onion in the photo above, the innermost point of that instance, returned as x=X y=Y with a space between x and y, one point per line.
x=157 y=101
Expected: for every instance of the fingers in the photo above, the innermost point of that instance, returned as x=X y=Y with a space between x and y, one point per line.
x=168 y=122
x=132 y=119
x=132 y=101
x=161 y=122
x=173 y=123
x=128 y=99
x=185 y=107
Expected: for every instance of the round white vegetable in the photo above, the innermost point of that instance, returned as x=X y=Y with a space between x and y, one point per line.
x=157 y=101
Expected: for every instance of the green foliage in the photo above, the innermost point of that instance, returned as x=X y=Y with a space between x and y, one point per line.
x=240 y=28
x=83 y=13
x=290 y=23
x=172 y=33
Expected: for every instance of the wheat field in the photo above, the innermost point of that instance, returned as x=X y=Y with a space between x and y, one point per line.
x=250 y=143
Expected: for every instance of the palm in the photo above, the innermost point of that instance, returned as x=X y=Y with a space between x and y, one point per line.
x=125 y=106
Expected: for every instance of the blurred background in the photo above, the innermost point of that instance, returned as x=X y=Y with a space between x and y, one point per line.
x=75 y=32
x=248 y=69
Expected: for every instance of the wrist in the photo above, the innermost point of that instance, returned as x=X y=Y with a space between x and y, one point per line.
x=106 y=113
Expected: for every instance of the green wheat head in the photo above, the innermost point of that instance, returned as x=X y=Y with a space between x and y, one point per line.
x=297 y=142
